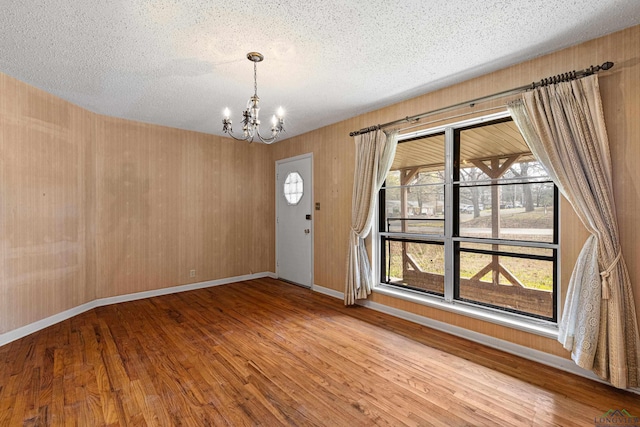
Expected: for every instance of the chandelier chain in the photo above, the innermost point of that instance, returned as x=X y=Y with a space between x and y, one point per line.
x=255 y=79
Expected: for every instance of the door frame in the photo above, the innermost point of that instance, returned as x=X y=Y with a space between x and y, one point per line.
x=313 y=219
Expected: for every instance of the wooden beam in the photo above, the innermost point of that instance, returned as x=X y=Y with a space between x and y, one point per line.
x=407 y=175
x=495 y=171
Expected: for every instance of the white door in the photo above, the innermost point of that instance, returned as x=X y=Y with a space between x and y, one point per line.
x=294 y=221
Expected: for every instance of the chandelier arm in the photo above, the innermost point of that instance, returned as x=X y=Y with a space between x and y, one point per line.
x=247 y=138
x=267 y=140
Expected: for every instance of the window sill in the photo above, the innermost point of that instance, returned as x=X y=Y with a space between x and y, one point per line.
x=534 y=326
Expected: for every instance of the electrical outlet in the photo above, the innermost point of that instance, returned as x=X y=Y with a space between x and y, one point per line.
x=192 y=273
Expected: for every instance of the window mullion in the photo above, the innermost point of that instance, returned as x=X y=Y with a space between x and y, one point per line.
x=448 y=212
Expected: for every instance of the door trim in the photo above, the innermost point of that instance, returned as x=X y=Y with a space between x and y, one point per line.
x=313 y=215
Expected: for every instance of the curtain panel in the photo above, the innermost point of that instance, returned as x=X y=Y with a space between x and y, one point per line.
x=374 y=155
x=563 y=124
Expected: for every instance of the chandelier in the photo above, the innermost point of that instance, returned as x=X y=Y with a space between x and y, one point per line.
x=250 y=120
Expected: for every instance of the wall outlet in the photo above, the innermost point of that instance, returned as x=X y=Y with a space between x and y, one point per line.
x=192 y=273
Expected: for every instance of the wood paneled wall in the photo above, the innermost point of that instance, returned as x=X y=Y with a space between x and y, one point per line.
x=171 y=201
x=620 y=88
x=93 y=206
x=46 y=221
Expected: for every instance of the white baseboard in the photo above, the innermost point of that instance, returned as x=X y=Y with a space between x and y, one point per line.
x=23 y=331
x=328 y=291
x=557 y=362
x=181 y=288
x=499 y=344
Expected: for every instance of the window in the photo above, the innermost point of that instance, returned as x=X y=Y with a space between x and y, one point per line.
x=467 y=215
x=293 y=188
x=414 y=208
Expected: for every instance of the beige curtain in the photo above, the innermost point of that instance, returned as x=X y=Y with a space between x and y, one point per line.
x=563 y=125
x=374 y=155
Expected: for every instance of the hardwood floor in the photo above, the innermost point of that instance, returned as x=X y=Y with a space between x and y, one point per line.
x=268 y=353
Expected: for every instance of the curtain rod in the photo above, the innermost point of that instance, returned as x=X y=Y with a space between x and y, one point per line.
x=564 y=77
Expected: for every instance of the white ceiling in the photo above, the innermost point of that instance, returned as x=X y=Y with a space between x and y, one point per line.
x=180 y=62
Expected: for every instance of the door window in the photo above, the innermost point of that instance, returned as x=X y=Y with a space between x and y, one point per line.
x=293 y=188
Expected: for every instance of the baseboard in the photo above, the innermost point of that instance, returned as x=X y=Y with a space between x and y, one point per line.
x=499 y=344
x=557 y=362
x=182 y=288
x=328 y=291
x=23 y=331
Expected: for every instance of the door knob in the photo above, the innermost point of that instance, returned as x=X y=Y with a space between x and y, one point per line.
x=307 y=231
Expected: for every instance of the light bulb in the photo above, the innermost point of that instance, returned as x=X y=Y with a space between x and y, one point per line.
x=226 y=113
x=274 y=120
x=280 y=113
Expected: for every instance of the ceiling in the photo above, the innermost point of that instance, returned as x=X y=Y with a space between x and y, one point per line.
x=179 y=63
x=497 y=140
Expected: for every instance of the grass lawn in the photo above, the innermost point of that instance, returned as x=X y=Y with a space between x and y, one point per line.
x=540 y=218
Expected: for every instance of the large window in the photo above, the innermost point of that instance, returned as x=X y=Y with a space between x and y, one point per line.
x=468 y=215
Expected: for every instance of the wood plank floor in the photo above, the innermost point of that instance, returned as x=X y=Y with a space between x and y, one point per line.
x=268 y=353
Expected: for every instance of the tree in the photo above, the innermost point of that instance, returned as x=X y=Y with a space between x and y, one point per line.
x=472 y=174
x=392 y=195
x=426 y=189
x=527 y=169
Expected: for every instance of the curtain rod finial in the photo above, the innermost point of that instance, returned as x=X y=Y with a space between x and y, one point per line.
x=607 y=65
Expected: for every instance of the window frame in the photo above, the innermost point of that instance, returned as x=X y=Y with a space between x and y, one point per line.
x=451 y=301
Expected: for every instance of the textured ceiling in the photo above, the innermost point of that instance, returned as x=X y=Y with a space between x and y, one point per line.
x=180 y=62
